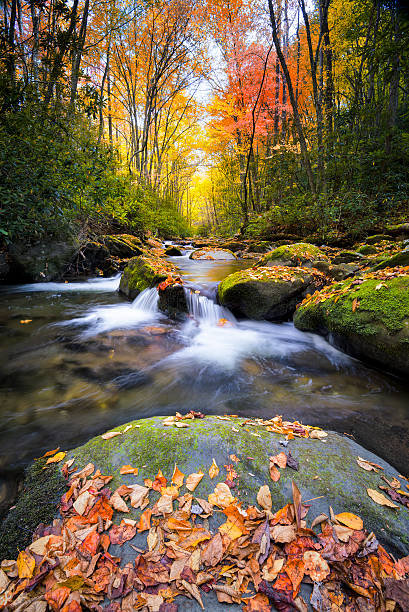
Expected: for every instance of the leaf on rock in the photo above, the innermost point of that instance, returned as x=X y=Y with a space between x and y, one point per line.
x=159 y=482
x=318 y=434
x=380 y=498
x=221 y=496
x=264 y=498
x=57 y=597
x=292 y=462
x=177 y=477
x=283 y=533
x=280 y=460
x=315 y=566
x=57 y=458
x=144 y=523
x=111 y=434
x=368 y=465
x=213 y=552
x=350 y=520
x=139 y=496
x=25 y=564
x=294 y=568
x=50 y=452
x=193 y=480
x=214 y=469
x=258 y=603
x=128 y=469
x=118 y=503
x=274 y=472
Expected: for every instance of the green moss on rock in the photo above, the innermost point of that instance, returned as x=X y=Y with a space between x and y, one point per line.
x=270 y=293
x=376 y=329
x=400 y=259
x=142 y=273
x=297 y=254
x=37 y=503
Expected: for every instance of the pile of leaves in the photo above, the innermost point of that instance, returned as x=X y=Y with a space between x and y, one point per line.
x=256 y=557
x=285 y=273
x=337 y=290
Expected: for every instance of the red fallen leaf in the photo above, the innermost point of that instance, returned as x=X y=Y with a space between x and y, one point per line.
x=101 y=509
x=283 y=583
x=118 y=534
x=145 y=521
x=57 y=597
x=282 y=600
x=295 y=570
x=91 y=542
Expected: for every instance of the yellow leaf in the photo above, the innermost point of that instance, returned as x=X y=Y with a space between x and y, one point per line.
x=350 y=520
x=25 y=565
x=230 y=529
x=57 y=458
x=128 y=469
x=380 y=498
x=221 y=496
x=214 y=469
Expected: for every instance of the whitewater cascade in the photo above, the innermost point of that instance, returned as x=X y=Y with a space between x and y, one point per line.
x=205 y=310
x=147 y=300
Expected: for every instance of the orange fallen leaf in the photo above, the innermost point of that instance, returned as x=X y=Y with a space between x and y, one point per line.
x=264 y=498
x=25 y=564
x=214 y=469
x=24 y=321
x=193 y=480
x=50 y=452
x=177 y=477
x=145 y=521
x=128 y=469
x=315 y=566
x=221 y=496
x=111 y=434
x=280 y=460
x=274 y=473
x=350 y=520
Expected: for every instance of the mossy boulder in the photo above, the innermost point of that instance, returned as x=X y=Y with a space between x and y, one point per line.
x=348 y=257
x=142 y=273
x=377 y=238
x=400 y=259
x=367 y=317
x=367 y=249
x=299 y=254
x=328 y=472
x=234 y=246
x=336 y=271
x=259 y=247
x=173 y=251
x=268 y=293
x=122 y=245
x=401 y=230
x=212 y=254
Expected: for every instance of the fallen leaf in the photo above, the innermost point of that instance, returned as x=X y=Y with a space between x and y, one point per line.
x=128 y=469
x=318 y=434
x=280 y=460
x=283 y=533
x=294 y=568
x=25 y=321
x=258 y=603
x=177 y=477
x=214 y=470
x=118 y=503
x=350 y=520
x=139 y=495
x=367 y=465
x=57 y=597
x=193 y=480
x=380 y=498
x=81 y=503
x=221 y=496
x=274 y=472
x=264 y=497
x=315 y=566
x=57 y=458
x=25 y=564
x=111 y=434
x=50 y=452
x=145 y=521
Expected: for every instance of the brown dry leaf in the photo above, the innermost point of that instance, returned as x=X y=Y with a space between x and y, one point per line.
x=145 y=521
x=139 y=496
x=194 y=591
x=297 y=504
x=380 y=498
x=264 y=497
x=355 y=304
x=283 y=533
x=164 y=505
x=318 y=434
x=193 y=480
x=315 y=566
x=181 y=424
x=57 y=458
x=366 y=465
x=111 y=434
x=213 y=552
x=350 y=520
x=128 y=469
x=4 y=581
x=343 y=533
x=81 y=503
x=177 y=477
x=214 y=469
x=221 y=496
x=272 y=568
x=118 y=503
x=128 y=427
x=25 y=564
x=40 y=546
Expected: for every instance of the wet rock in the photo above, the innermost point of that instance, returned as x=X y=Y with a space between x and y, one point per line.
x=299 y=254
x=336 y=271
x=234 y=246
x=268 y=293
x=142 y=273
x=41 y=261
x=213 y=254
x=400 y=259
x=172 y=300
x=259 y=247
x=348 y=257
x=122 y=245
x=366 y=317
x=173 y=251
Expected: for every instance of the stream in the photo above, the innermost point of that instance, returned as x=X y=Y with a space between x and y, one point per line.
x=78 y=359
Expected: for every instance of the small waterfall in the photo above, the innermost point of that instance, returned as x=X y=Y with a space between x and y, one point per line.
x=205 y=310
x=147 y=300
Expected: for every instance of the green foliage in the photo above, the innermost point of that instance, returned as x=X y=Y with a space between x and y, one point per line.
x=56 y=181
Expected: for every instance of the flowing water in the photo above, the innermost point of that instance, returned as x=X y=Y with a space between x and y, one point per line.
x=77 y=359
